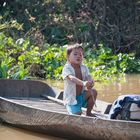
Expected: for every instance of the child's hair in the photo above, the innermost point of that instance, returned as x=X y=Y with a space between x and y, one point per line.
x=72 y=47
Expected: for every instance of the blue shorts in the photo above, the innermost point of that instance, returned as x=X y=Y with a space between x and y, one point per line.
x=81 y=102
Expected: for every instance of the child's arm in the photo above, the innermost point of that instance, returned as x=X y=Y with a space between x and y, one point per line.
x=78 y=81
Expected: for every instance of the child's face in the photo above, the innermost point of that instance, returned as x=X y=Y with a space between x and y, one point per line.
x=76 y=56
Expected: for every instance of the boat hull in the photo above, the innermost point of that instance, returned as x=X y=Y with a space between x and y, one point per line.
x=20 y=106
x=68 y=126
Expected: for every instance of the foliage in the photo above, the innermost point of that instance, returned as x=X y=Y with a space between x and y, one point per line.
x=53 y=59
x=116 y=23
x=33 y=33
x=103 y=64
x=21 y=60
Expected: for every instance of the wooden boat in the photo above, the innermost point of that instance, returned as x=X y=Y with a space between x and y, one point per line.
x=22 y=105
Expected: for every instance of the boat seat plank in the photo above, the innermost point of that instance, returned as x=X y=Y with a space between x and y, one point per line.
x=39 y=103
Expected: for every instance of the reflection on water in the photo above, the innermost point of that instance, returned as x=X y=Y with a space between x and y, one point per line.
x=107 y=92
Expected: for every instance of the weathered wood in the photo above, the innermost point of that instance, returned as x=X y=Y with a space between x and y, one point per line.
x=25 y=88
x=53 y=99
x=83 y=109
x=40 y=104
x=33 y=112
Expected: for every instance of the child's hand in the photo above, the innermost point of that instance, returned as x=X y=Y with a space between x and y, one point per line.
x=91 y=84
x=88 y=84
x=91 y=81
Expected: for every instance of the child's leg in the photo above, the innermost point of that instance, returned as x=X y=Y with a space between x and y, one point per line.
x=74 y=109
x=90 y=98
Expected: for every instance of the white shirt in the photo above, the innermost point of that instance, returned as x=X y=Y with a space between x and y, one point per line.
x=69 y=95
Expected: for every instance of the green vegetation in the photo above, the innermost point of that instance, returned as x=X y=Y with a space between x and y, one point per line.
x=33 y=32
x=21 y=60
x=104 y=65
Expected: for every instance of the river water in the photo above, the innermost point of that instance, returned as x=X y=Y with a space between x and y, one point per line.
x=130 y=84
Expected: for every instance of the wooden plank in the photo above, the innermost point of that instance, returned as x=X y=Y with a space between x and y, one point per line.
x=53 y=99
x=62 y=103
x=40 y=103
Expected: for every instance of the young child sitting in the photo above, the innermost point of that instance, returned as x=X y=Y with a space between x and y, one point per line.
x=78 y=84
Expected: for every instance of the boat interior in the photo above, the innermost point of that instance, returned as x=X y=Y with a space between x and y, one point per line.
x=40 y=95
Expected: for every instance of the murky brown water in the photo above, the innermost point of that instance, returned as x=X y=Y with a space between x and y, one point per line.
x=107 y=92
x=12 y=133
x=130 y=84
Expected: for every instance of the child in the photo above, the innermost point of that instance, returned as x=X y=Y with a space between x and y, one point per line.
x=78 y=91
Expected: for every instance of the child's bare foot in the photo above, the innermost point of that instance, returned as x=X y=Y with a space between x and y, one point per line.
x=91 y=115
